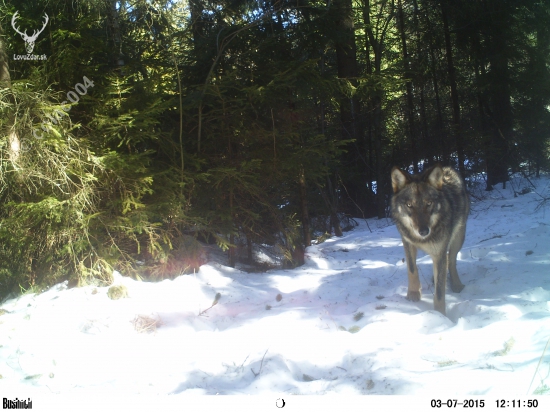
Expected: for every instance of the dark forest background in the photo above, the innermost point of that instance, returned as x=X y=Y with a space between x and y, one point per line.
x=154 y=128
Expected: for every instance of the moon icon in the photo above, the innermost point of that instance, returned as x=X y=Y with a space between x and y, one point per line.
x=280 y=403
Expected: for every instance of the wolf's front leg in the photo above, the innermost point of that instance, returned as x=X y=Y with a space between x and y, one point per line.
x=413 y=293
x=440 y=278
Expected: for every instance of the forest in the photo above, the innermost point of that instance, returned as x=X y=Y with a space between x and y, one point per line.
x=137 y=135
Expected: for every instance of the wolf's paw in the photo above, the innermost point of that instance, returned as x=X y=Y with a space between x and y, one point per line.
x=457 y=288
x=413 y=296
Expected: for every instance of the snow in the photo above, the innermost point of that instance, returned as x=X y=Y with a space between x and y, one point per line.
x=342 y=326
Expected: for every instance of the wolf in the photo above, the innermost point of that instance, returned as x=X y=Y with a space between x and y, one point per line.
x=430 y=210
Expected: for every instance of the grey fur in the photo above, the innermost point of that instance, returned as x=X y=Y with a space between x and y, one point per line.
x=430 y=210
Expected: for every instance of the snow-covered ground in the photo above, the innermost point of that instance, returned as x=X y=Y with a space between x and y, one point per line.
x=338 y=325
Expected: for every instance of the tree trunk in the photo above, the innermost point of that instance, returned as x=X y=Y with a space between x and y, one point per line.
x=483 y=117
x=443 y=147
x=304 y=207
x=439 y=141
x=409 y=93
x=199 y=50
x=346 y=59
x=538 y=138
x=249 y=253
x=334 y=222
x=5 y=81
x=375 y=104
x=197 y=24
x=457 y=130
x=500 y=107
x=377 y=44
x=426 y=149
x=380 y=169
x=329 y=192
x=232 y=251
x=117 y=58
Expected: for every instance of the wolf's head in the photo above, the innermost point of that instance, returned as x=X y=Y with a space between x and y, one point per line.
x=417 y=200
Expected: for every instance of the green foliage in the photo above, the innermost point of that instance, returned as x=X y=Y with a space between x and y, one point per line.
x=66 y=211
x=238 y=122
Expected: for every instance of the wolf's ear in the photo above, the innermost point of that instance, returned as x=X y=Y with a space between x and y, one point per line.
x=399 y=179
x=435 y=177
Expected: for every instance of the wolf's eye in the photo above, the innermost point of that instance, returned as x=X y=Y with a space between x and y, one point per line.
x=429 y=203
x=409 y=204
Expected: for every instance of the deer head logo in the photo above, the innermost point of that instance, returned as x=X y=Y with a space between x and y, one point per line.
x=29 y=40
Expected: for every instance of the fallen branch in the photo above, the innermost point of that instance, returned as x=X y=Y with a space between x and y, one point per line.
x=494 y=237
x=216 y=299
x=261 y=365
